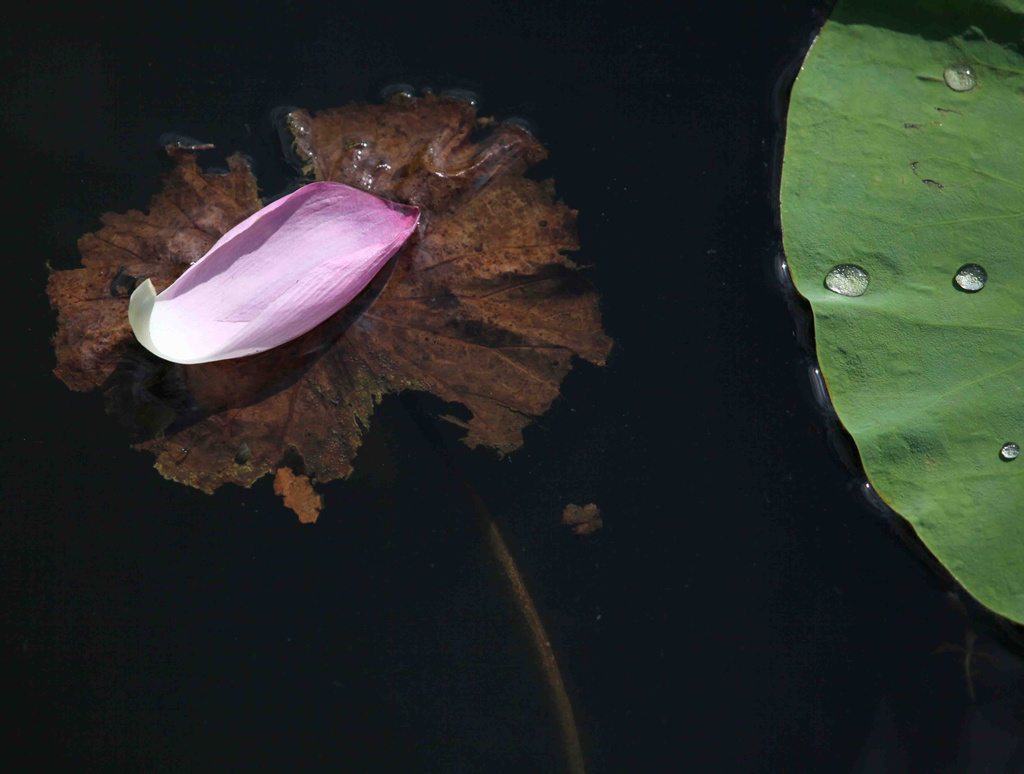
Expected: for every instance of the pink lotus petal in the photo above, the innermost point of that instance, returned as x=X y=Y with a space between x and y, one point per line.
x=274 y=276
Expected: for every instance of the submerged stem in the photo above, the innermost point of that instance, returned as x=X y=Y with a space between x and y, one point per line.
x=567 y=730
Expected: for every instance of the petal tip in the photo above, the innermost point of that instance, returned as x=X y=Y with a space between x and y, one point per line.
x=140 y=308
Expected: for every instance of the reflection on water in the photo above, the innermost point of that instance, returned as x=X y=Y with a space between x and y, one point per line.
x=481 y=307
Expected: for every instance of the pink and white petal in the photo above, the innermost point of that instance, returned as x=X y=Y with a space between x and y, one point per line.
x=276 y=275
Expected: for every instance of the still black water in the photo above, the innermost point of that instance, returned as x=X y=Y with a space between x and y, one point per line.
x=743 y=609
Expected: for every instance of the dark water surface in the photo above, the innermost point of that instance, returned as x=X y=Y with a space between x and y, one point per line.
x=744 y=608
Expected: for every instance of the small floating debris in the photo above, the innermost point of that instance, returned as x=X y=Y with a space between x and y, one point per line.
x=583 y=519
x=298 y=495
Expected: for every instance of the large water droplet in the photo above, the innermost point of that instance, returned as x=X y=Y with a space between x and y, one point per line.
x=1010 y=451
x=970 y=278
x=847 y=279
x=960 y=77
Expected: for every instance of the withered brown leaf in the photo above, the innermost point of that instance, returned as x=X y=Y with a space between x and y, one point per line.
x=191 y=213
x=481 y=307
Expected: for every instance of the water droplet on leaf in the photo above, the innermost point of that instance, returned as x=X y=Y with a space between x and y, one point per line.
x=847 y=279
x=1010 y=451
x=970 y=278
x=960 y=77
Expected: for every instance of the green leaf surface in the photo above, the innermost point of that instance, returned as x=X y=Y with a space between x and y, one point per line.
x=890 y=169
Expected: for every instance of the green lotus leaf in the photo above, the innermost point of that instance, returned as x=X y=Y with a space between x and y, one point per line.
x=905 y=157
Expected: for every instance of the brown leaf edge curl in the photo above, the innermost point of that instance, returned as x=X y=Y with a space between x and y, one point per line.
x=481 y=307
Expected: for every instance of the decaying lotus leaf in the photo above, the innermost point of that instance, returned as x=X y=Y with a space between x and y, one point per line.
x=191 y=213
x=481 y=307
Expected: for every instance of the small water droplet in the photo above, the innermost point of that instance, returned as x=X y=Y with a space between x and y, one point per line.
x=397 y=90
x=173 y=140
x=465 y=95
x=960 y=77
x=847 y=279
x=279 y=116
x=525 y=124
x=819 y=390
x=782 y=275
x=293 y=130
x=970 y=278
x=873 y=499
x=1010 y=451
